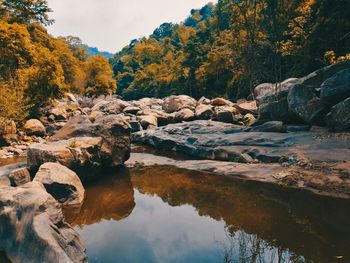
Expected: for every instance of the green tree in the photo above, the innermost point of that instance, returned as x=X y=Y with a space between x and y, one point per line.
x=25 y=11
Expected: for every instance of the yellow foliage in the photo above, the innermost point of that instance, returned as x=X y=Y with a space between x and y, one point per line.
x=331 y=58
x=99 y=76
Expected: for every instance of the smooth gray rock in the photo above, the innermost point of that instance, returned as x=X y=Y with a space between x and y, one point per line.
x=304 y=103
x=339 y=117
x=32 y=227
x=227 y=142
x=270 y=126
x=336 y=88
x=62 y=183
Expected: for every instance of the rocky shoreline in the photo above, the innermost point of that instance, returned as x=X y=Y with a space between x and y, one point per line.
x=286 y=136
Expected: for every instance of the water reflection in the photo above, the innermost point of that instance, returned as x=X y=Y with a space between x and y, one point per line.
x=109 y=199
x=164 y=214
x=3 y=258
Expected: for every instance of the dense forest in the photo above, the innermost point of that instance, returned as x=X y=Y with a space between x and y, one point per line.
x=36 y=67
x=228 y=48
x=222 y=49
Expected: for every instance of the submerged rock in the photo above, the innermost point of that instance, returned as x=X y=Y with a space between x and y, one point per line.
x=62 y=183
x=32 y=227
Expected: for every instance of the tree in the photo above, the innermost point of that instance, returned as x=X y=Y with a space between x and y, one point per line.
x=99 y=76
x=25 y=11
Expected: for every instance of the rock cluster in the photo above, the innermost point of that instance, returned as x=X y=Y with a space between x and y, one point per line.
x=319 y=98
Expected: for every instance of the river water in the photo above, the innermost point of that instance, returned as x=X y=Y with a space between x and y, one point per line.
x=168 y=215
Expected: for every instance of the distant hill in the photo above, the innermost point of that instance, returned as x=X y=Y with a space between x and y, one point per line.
x=93 y=51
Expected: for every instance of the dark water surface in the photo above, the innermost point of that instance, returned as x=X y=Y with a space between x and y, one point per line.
x=169 y=215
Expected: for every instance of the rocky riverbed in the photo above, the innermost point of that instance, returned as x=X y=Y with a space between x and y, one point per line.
x=295 y=134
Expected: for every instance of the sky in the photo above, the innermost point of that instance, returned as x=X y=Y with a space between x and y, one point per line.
x=111 y=24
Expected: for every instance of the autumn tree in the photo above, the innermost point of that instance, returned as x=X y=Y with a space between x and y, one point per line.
x=99 y=76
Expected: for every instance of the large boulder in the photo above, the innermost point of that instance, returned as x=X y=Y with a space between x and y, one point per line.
x=336 y=88
x=176 y=103
x=217 y=102
x=113 y=129
x=272 y=100
x=62 y=183
x=339 y=117
x=227 y=114
x=148 y=103
x=204 y=112
x=58 y=114
x=184 y=115
x=32 y=227
x=87 y=156
x=247 y=107
x=278 y=101
x=148 y=121
x=34 y=127
x=19 y=176
x=304 y=103
x=133 y=110
x=162 y=117
x=8 y=131
x=114 y=106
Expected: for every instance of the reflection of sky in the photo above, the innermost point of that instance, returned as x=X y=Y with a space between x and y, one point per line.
x=157 y=232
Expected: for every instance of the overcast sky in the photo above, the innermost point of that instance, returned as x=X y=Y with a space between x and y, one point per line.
x=111 y=24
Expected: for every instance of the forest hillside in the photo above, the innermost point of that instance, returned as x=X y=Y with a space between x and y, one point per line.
x=228 y=48
x=36 y=67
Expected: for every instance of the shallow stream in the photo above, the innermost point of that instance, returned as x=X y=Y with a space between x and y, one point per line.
x=168 y=215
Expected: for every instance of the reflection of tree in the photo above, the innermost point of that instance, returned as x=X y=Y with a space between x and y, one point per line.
x=3 y=258
x=241 y=247
x=277 y=217
x=110 y=198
